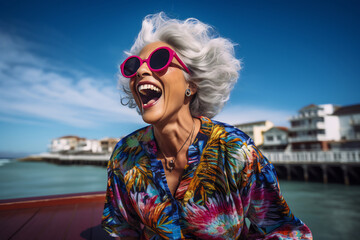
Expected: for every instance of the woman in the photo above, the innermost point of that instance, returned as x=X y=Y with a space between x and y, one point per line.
x=185 y=176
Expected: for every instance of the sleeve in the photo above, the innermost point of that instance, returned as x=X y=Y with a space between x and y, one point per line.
x=119 y=218
x=264 y=205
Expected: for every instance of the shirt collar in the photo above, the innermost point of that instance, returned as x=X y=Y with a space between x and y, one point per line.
x=148 y=142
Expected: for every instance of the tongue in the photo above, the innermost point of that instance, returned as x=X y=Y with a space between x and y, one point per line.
x=151 y=101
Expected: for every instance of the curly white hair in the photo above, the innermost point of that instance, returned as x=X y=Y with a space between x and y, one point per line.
x=210 y=58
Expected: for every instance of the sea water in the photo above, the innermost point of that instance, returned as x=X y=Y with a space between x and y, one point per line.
x=29 y=179
x=332 y=211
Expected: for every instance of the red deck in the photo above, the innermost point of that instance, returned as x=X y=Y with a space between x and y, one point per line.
x=74 y=216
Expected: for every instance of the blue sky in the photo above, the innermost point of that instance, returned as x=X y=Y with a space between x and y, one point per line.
x=59 y=61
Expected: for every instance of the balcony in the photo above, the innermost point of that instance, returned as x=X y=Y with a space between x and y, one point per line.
x=314 y=126
x=275 y=142
x=319 y=137
x=307 y=116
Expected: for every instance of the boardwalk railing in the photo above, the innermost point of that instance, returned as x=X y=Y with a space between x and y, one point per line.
x=352 y=156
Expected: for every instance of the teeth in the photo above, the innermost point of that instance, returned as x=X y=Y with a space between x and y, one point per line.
x=148 y=86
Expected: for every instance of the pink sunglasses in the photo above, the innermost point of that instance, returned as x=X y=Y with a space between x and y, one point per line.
x=158 y=60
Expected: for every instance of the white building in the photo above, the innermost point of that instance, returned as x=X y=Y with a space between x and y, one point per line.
x=349 y=118
x=64 y=144
x=89 y=146
x=75 y=144
x=255 y=130
x=108 y=144
x=275 y=139
x=314 y=127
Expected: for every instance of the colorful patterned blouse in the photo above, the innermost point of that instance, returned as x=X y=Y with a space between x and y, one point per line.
x=226 y=180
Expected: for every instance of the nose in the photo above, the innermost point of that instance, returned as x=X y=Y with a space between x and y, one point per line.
x=143 y=70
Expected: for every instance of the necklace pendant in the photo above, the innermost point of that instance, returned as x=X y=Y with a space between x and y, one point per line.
x=171 y=164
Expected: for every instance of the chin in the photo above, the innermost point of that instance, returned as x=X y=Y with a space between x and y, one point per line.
x=151 y=117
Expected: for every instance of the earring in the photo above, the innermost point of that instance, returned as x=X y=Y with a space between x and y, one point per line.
x=188 y=92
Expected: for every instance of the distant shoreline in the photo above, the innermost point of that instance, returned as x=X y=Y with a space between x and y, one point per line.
x=77 y=159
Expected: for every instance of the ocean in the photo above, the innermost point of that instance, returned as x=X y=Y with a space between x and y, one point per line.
x=332 y=211
x=29 y=179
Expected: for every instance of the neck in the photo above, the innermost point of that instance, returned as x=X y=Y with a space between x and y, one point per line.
x=172 y=135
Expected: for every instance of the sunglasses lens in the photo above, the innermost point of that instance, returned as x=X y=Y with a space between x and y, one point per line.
x=159 y=59
x=131 y=66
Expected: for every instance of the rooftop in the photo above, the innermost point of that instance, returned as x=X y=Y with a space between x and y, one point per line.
x=69 y=136
x=347 y=110
x=251 y=123
x=285 y=129
x=310 y=106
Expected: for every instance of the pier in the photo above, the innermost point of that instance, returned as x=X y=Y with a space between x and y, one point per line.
x=318 y=166
x=71 y=159
x=315 y=166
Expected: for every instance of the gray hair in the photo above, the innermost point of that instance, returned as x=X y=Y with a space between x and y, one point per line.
x=210 y=58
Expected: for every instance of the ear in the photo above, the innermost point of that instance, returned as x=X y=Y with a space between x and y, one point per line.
x=192 y=87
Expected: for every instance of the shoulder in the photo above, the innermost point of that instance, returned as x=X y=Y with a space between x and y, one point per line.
x=131 y=139
x=128 y=148
x=241 y=150
x=232 y=132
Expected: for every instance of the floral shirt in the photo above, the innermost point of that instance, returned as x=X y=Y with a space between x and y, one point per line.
x=226 y=180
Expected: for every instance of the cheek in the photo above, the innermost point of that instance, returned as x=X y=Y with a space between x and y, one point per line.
x=177 y=80
x=176 y=89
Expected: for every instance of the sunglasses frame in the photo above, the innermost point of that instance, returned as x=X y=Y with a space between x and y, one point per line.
x=172 y=54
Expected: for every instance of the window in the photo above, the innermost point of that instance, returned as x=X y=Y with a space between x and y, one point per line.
x=321 y=131
x=278 y=137
x=316 y=146
x=269 y=138
x=357 y=136
x=295 y=123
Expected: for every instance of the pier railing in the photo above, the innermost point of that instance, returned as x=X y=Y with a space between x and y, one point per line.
x=86 y=159
x=310 y=165
x=330 y=166
x=352 y=156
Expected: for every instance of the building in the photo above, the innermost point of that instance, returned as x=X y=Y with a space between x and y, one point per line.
x=89 y=146
x=314 y=128
x=275 y=139
x=108 y=144
x=255 y=130
x=64 y=144
x=77 y=145
x=349 y=118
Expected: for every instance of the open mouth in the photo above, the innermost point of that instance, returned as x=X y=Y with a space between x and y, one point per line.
x=149 y=94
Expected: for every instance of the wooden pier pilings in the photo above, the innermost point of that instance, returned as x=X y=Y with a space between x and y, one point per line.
x=327 y=167
x=326 y=173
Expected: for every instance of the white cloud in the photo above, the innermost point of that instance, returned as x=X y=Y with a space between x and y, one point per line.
x=242 y=114
x=32 y=88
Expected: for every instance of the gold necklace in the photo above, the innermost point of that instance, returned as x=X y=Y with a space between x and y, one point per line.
x=172 y=161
